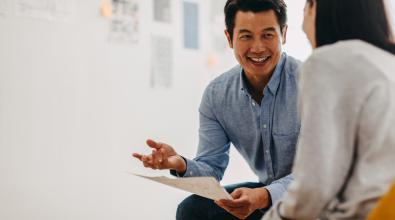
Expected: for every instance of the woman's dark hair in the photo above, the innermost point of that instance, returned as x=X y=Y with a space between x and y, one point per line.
x=353 y=19
x=233 y=6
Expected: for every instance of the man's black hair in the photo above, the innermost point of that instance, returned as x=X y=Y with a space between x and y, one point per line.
x=233 y=6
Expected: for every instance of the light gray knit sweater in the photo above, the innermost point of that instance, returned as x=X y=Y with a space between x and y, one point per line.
x=346 y=150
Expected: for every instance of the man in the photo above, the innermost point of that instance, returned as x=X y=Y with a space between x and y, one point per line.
x=252 y=106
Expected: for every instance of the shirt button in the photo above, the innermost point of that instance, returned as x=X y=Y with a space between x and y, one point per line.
x=253 y=103
x=264 y=126
x=267 y=151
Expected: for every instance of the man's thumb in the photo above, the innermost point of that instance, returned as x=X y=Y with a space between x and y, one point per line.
x=153 y=144
x=236 y=193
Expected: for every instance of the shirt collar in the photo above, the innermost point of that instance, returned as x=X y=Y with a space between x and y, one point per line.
x=274 y=80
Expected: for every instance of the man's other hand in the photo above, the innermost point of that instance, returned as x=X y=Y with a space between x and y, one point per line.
x=245 y=201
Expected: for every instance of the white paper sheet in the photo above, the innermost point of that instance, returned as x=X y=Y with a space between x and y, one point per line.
x=47 y=9
x=124 y=21
x=161 y=62
x=207 y=187
x=7 y=7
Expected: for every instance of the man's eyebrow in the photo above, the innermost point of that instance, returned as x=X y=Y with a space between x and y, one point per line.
x=244 y=31
x=269 y=29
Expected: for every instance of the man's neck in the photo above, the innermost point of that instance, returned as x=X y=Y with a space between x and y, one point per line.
x=256 y=86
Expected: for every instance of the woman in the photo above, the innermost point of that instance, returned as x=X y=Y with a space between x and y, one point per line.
x=346 y=149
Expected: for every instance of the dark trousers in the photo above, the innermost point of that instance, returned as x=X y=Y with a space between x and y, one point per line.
x=196 y=207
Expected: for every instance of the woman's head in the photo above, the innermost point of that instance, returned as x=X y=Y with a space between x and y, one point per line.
x=329 y=21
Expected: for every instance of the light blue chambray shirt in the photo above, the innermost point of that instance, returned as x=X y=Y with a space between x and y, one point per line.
x=265 y=135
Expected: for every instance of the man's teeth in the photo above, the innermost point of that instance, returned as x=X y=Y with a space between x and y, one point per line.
x=260 y=59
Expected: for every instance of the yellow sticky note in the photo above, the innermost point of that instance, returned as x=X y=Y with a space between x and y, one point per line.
x=211 y=61
x=106 y=9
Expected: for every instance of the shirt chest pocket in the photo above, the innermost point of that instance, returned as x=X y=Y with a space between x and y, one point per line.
x=286 y=122
x=284 y=150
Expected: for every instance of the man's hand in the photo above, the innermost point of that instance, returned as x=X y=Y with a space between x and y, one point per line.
x=163 y=156
x=245 y=201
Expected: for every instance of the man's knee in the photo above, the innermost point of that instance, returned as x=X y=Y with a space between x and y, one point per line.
x=192 y=208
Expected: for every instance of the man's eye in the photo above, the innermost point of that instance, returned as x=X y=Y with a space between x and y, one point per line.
x=269 y=35
x=245 y=37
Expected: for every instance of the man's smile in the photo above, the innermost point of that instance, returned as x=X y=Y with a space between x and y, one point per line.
x=258 y=60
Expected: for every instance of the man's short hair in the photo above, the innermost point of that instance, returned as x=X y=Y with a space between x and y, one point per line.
x=233 y=6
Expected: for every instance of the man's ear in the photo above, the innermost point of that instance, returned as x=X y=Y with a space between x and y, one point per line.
x=284 y=34
x=228 y=38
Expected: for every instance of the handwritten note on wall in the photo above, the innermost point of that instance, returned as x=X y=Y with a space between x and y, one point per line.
x=125 y=23
x=46 y=9
x=162 y=11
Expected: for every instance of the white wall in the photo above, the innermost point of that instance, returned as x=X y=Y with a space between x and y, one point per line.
x=74 y=106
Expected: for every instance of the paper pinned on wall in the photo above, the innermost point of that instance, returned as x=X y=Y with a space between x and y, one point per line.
x=217 y=11
x=161 y=62
x=191 y=25
x=218 y=39
x=46 y=9
x=162 y=11
x=35 y=8
x=6 y=7
x=207 y=187
x=124 y=26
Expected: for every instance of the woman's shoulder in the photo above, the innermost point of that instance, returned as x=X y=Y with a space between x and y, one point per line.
x=349 y=66
x=354 y=57
x=351 y=51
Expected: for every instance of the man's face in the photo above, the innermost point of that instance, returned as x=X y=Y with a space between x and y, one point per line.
x=257 y=42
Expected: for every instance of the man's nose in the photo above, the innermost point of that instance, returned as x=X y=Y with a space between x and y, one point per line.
x=258 y=46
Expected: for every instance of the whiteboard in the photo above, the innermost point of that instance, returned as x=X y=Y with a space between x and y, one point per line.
x=78 y=95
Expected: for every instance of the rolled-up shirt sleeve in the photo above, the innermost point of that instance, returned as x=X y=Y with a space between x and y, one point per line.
x=278 y=187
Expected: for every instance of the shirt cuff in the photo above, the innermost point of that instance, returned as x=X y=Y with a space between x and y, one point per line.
x=276 y=191
x=264 y=210
x=188 y=172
